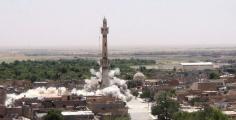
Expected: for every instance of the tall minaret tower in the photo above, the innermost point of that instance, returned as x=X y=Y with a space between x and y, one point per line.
x=104 y=61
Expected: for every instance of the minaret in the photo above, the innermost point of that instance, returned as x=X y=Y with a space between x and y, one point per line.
x=104 y=61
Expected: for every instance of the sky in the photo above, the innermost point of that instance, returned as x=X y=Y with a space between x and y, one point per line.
x=136 y=23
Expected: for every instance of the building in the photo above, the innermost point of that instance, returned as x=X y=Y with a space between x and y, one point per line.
x=208 y=85
x=78 y=115
x=73 y=107
x=231 y=114
x=197 y=66
x=107 y=106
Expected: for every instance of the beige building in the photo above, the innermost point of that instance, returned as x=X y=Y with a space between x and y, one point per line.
x=197 y=66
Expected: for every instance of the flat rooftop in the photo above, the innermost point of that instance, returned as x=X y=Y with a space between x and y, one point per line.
x=40 y=82
x=70 y=113
x=198 y=63
x=229 y=112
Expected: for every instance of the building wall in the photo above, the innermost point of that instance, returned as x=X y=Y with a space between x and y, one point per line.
x=2 y=95
x=97 y=104
x=79 y=117
x=2 y=111
x=207 y=86
x=15 y=111
x=107 y=104
x=197 y=67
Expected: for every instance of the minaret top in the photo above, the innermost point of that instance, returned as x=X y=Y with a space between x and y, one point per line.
x=104 y=29
x=104 y=22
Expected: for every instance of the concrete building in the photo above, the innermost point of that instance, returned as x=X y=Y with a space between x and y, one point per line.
x=197 y=66
x=73 y=107
x=78 y=115
x=107 y=105
x=208 y=85
x=231 y=114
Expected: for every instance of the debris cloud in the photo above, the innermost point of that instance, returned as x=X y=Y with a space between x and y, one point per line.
x=117 y=88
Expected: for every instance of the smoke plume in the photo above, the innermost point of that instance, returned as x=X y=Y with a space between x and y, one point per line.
x=117 y=88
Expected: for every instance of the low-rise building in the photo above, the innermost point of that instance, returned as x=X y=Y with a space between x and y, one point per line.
x=73 y=107
x=78 y=115
x=197 y=66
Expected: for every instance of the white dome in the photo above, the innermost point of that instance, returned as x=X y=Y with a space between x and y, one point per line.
x=139 y=76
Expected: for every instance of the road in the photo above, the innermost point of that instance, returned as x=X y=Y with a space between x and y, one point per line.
x=138 y=110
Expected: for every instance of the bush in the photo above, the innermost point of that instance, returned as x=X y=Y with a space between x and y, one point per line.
x=134 y=93
x=54 y=115
x=214 y=75
x=206 y=114
x=165 y=107
x=147 y=94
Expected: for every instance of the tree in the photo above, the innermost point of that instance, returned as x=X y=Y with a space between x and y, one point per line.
x=126 y=117
x=76 y=69
x=206 y=114
x=214 y=75
x=183 y=116
x=197 y=100
x=147 y=94
x=142 y=68
x=33 y=78
x=165 y=107
x=134 y=83
x=54 y=115
x=134 y=92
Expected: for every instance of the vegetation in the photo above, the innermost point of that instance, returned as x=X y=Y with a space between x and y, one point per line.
x=63 y=69
x=134 y=83
x=123 y=118
x=134 y=92
x=147 y=93
x=230 y=68
x=168 y=109
x=54 y=115
x=149 y=73
x=124 y=64
x=197 y=101
x=214 y=75
x=41 y=70
x=206 y=114
x=165 y=107
x=126 y=117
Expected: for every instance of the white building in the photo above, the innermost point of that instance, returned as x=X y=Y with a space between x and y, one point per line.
x=197 y=66
x=78 y=115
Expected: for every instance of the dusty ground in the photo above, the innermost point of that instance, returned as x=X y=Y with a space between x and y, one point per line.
x=138 y=110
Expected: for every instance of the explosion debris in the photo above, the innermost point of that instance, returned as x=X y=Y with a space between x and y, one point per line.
x=103 y=82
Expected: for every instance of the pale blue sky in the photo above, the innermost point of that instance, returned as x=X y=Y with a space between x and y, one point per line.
x=63 y=23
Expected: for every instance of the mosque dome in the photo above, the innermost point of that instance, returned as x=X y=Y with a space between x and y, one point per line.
x=139 y=76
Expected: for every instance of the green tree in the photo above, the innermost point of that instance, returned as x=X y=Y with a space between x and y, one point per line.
x=134 y=83
x=206 y=114
x=184 y=116
x=126 y=117
x=75 y=69
x=214 y=75
x=33 y=78
x=165 y=107
x=147 y=94
x=142 y=68
x=54 y=115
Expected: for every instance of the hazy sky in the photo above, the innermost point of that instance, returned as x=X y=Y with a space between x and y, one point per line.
x=58 y=23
